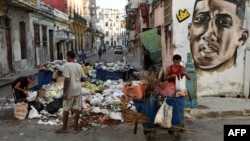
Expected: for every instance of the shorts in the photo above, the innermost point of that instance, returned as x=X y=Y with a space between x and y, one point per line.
x=73 y=102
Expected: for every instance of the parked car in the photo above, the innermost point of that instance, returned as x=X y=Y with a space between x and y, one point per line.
x=118 y=50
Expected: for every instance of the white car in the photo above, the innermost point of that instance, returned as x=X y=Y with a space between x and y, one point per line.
x=118 y=50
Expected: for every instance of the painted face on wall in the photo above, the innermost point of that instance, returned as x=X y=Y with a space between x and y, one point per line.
x=215 y=34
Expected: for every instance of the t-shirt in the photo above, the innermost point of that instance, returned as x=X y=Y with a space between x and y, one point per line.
x=177 y=72
x=23 y=80
x=79 y=53
x=74 y=72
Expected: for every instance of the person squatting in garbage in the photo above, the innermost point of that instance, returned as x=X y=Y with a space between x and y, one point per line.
x=20 y=87
x=176 y=70
x=72 y=98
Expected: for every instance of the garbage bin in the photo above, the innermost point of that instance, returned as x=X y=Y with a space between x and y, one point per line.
x=148 y=106
x=44 y=77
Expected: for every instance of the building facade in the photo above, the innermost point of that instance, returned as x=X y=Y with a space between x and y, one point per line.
x=113 y=27
x=35 y=32
x=178 y=24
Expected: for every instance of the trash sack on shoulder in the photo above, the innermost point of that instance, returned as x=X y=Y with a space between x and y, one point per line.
x=54 y=106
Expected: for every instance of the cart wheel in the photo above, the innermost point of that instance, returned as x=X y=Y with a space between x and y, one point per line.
x=150 y=135
x=176 y=136
x=171 y=131
x=182 y=125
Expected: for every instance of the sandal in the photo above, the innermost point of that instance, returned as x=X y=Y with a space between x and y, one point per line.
x=77 y=131
x=59 y=131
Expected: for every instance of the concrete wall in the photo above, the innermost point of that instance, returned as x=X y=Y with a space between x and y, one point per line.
x=3 y=55
x=17 y=16
x=42 y=51
x=220 y=80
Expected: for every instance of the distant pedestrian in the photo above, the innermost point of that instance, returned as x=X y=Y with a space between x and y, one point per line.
x=83 y=57
x=100 y=53
x=104 y=49
x=79 y=53
x=72 y=98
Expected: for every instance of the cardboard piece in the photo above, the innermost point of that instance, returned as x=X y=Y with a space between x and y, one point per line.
x=41 y=93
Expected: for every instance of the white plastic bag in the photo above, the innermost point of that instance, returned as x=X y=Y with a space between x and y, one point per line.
x=32 y=95
x=180 y=86
x=33 y=113
x=164 y=116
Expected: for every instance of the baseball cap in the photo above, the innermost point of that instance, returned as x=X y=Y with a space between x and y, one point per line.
x=31 y=78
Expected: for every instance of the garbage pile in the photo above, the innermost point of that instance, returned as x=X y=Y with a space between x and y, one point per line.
x=56 y=64
x=103 y=100
x=102 y=104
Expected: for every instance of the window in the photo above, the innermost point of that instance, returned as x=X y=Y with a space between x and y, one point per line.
x=22 y=26
x=37 y=35
x=44 y=35
x=107 y=33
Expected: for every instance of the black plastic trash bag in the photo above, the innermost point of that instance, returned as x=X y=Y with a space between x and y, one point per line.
x=37 y=105
x=54 y=106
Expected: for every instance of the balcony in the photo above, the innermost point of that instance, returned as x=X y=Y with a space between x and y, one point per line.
x=46 y=8
x=71 y=36
x=27 y=2
x=61 y=15
x=61 y=35
x=64 y=35
x=80 y=19
x=27 y=5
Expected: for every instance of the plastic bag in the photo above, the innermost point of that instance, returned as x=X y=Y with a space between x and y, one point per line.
x=21 y=110
x=54 y=106
x=33 y=113
x=180 y=85
x=37 y=105
x=166 y=89
x=32 y=95
x=164 y=116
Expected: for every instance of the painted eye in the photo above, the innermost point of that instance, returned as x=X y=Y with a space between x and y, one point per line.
x=201 y=19
x=224 y=22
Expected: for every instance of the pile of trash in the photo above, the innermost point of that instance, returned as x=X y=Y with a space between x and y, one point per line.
x=102 y=104
x=103 y=101
x=56 y=64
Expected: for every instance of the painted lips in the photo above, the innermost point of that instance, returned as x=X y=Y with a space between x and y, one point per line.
x=208 y=50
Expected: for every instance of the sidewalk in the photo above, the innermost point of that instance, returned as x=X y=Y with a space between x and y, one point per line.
x=8 y=79
x=211 y=107
x=208 y=107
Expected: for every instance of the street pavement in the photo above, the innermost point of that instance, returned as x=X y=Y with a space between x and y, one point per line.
x=210 y=107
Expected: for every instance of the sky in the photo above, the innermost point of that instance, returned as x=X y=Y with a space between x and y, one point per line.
x=114 y=4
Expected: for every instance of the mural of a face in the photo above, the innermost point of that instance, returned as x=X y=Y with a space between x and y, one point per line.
x=215 y=34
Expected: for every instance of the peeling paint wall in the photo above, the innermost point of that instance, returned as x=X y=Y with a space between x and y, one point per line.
x=16 y=16
x=227 y=78
x=3 y=54
x=42 y=51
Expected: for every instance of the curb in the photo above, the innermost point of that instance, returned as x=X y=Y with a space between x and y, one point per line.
x=209 y=113
x=10 y=80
